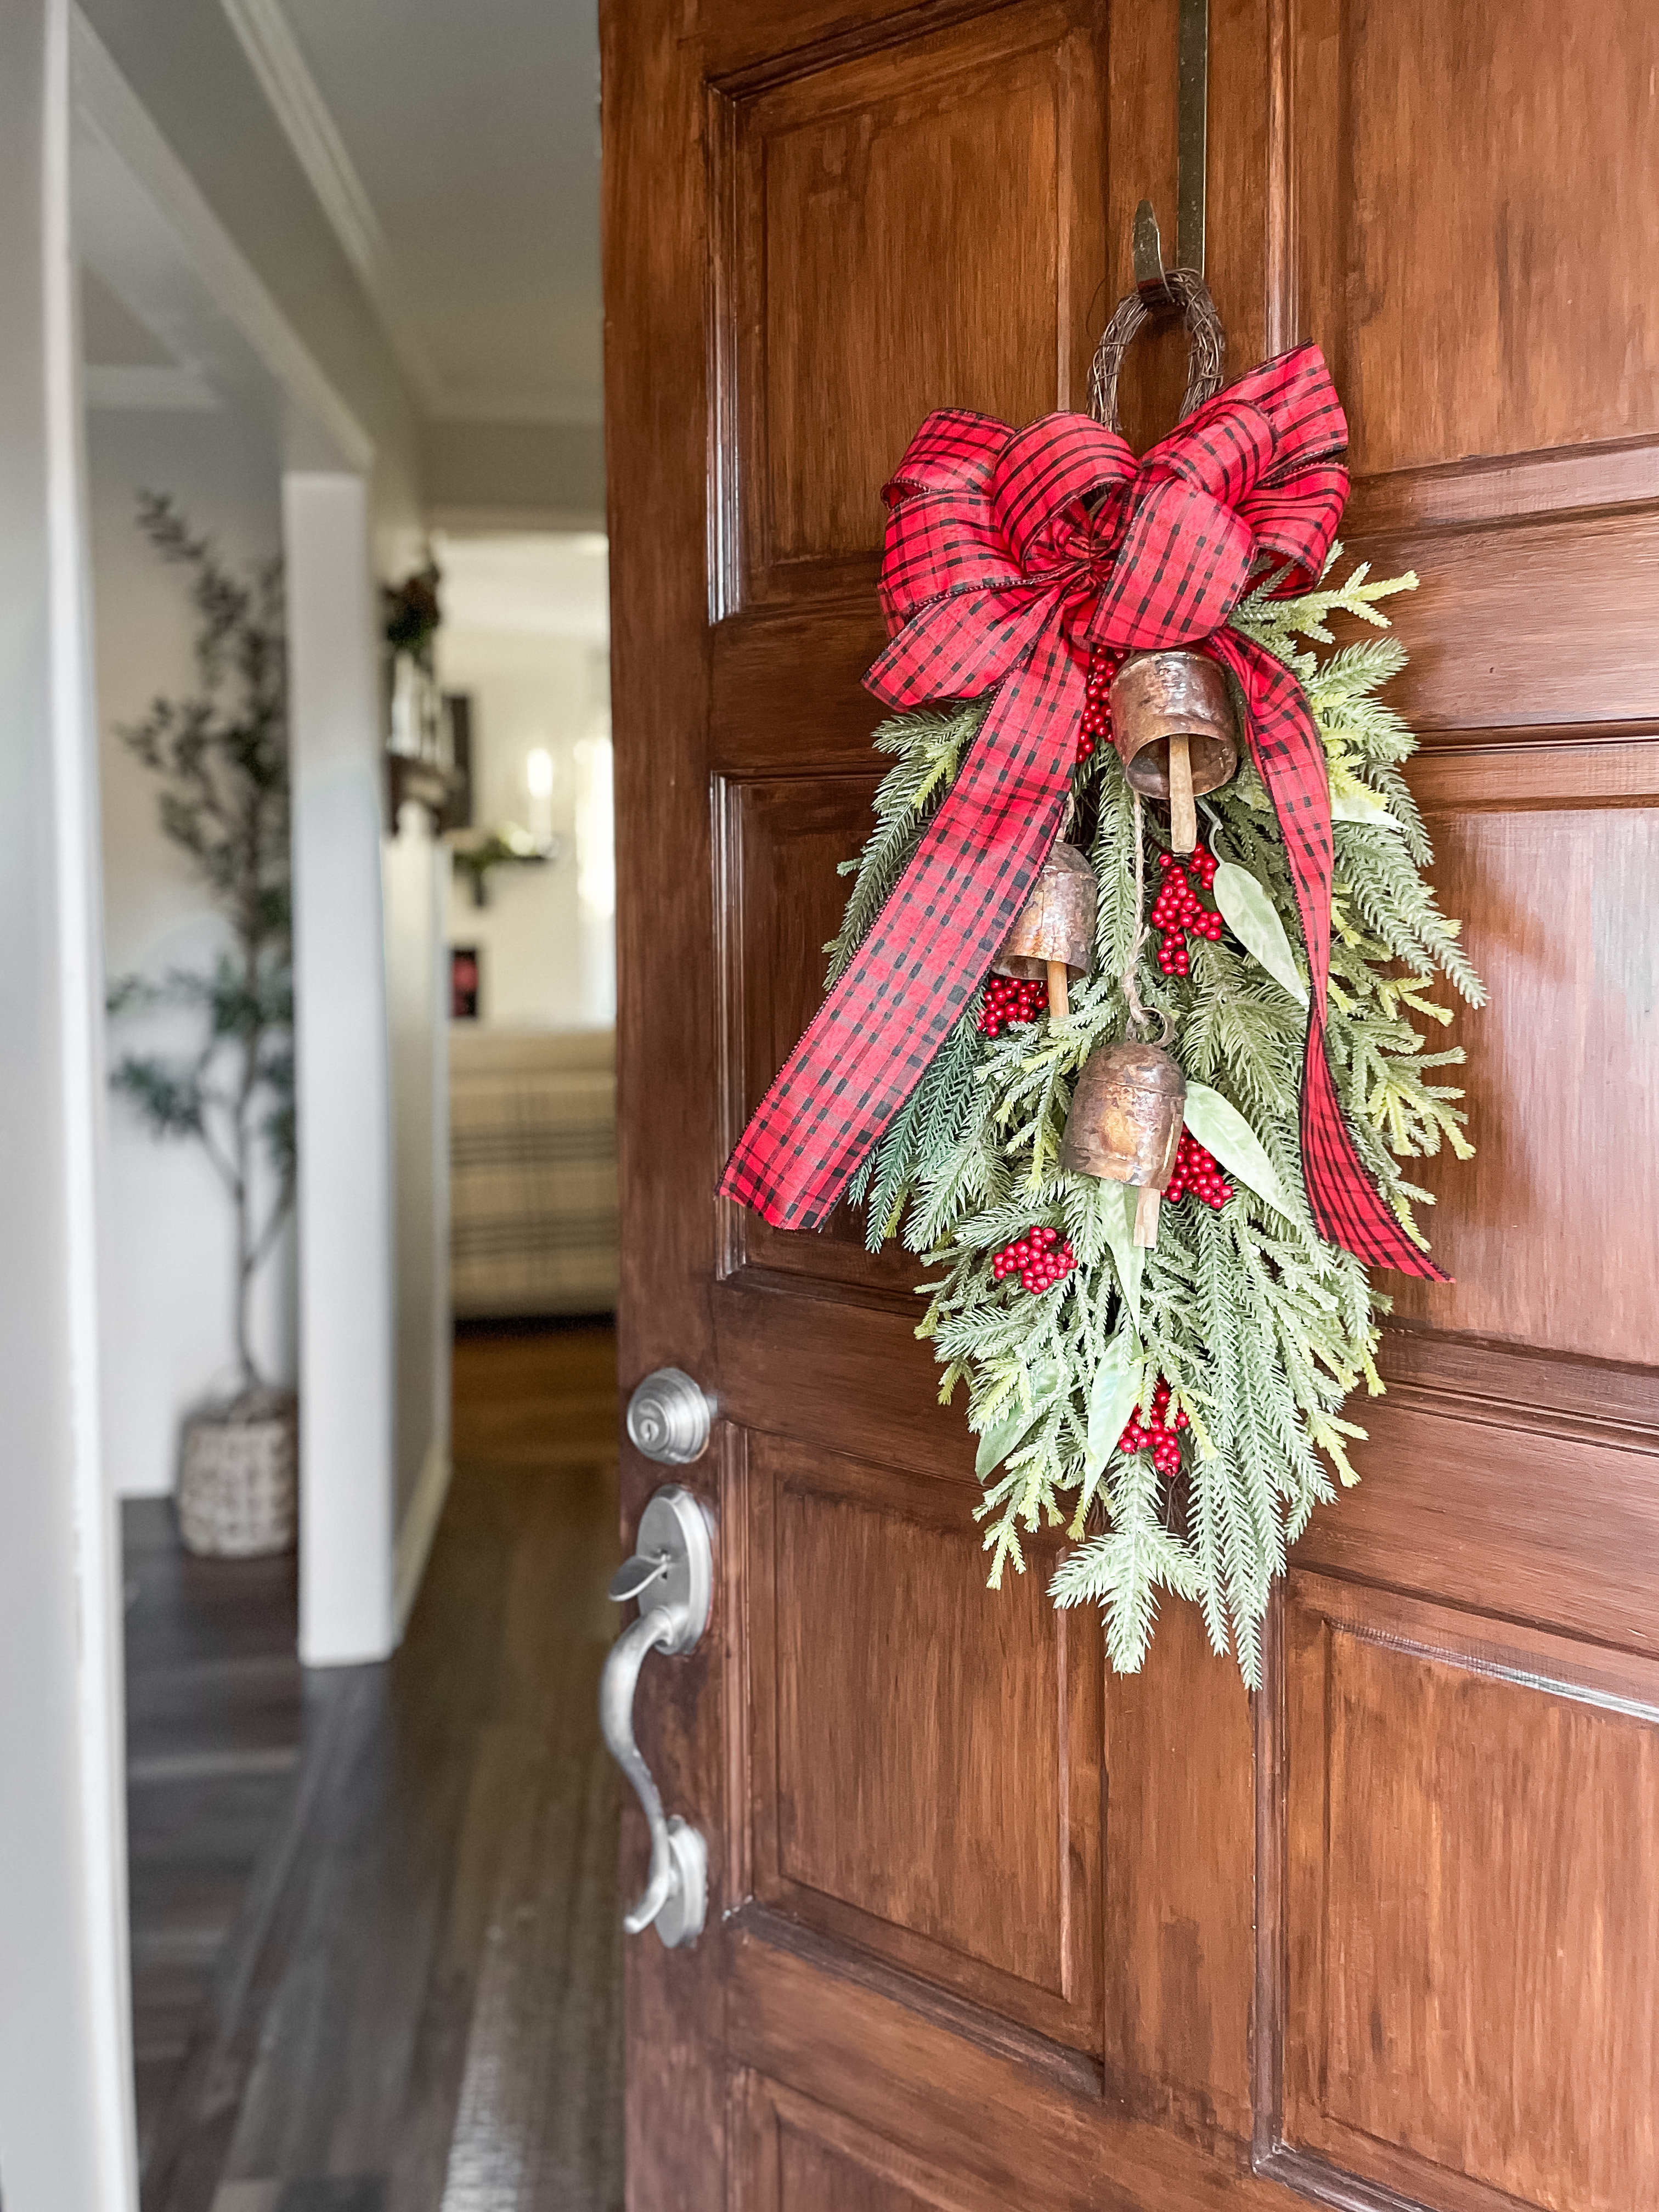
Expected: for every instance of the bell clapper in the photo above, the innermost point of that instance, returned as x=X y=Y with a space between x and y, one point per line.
x=1147 y=1217
x=1183 y=815
x=1059 y=1006
x=1175 y=731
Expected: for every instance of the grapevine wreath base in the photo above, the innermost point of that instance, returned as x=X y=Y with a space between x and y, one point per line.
x=1171 y=1405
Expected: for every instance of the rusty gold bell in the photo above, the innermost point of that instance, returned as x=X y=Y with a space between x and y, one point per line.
x=1125 y=1123
x=1055 y=938
x=1173 y=726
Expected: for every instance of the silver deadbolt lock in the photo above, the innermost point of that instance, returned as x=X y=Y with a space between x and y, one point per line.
x=670 y=1419
x=671 y=1574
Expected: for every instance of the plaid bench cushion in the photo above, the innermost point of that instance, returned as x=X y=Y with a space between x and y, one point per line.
x=533 y=1123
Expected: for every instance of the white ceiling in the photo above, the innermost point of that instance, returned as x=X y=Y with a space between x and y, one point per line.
x=455 y=148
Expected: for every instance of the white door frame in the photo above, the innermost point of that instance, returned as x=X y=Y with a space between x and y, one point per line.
x=66 y=2126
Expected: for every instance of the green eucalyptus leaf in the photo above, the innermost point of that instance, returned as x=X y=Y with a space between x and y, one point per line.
x=1222 y=1130
x=1014 y=1422
x=999 y=1439
x=1357 y=802
x=1048 y=1380
x=1117 y=1218
x=1254 y=921
x=1112 y=1396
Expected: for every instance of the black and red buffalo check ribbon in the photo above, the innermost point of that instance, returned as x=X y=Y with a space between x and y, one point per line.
x=1012 y=557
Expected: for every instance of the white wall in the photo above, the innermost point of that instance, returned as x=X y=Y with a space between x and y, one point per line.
x=66 y=2139
x=170 y=1238
x=346 y=1320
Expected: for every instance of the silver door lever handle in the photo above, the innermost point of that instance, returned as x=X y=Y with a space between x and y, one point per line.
x=671 y=1574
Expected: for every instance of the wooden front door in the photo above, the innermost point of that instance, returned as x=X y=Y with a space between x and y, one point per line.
x=989 y=1928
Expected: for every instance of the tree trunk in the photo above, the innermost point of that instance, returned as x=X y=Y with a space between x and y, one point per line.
x=246 y=1247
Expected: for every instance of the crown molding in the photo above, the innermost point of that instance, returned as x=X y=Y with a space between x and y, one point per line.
x=156 y=207
x=303 y=115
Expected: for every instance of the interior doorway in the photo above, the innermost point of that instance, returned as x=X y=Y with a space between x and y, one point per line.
x=522 y=658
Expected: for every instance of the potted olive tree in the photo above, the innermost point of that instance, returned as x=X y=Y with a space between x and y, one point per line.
x=220 y=759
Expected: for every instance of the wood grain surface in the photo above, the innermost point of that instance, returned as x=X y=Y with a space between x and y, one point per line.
x=823 y=217
x=216 y=1707
x=879 y=1699
x=1471 y=1967
x=850 y=307
x=1550 y=1241
x=1470 y=180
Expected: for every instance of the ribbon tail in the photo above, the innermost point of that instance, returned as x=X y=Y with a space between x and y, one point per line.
x=917 y=972
x=1347 y=1206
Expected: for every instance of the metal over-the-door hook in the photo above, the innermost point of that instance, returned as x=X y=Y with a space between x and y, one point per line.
x=1192 y=159
x=671 y=1574
x=1152 y=278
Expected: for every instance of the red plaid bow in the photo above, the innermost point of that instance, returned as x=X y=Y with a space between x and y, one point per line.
x=1011 y=557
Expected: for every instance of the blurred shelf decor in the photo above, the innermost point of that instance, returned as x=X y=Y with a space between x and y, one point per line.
x=477 y=853
x=421 y=724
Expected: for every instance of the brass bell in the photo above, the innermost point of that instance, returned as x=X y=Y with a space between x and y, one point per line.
x=1125 y=1123
x=1173 y=726
x=1055 y=936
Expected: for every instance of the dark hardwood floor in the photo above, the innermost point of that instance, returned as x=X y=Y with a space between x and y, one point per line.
x=376 y=1946
x=214 y=1714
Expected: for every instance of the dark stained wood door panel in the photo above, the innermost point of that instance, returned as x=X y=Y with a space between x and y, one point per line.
x=1470 y=1994
x=880 y=1704
x=988 y=1927
x=902 y=229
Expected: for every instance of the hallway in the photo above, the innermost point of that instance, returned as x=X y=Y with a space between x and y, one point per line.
x=375 y=1922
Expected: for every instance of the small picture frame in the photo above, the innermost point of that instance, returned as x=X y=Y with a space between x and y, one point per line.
x=465 y=973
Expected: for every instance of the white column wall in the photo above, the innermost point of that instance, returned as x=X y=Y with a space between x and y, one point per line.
x=414 y=873
x=66 y=2130
x=344 y=1211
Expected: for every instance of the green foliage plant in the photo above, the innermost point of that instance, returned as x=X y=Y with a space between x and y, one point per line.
x=1260 y=1327
x=220 y=760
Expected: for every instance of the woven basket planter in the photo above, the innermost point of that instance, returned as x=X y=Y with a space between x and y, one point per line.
x=238 y=1478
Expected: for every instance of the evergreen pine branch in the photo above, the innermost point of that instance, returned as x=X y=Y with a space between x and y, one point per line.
x=925 y=1131
x=1261 y=1329
x=930 y=743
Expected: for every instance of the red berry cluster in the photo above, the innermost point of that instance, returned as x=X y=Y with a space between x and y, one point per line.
x=1096 y=727
x=1175 y=910
x=1161 y=1437
x=1007 y=999
x=1197 y=1170
x=1039 y=1258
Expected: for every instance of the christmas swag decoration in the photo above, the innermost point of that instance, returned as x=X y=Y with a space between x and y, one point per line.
x=1149 y=1152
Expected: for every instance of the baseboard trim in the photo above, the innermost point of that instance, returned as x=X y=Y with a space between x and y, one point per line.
x=420 y=1525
